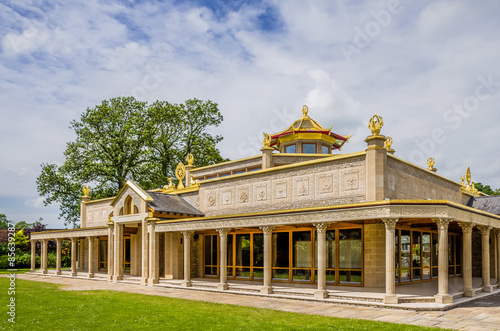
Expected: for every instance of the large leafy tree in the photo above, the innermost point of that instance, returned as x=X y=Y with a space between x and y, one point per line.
x=486 y=189
x=122 y=139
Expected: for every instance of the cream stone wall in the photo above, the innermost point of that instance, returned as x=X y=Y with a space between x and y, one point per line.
x=405 y=181
x=251 y=162
x=97 y=213
x=374 y=255
x=327 y=183
x=193 y=198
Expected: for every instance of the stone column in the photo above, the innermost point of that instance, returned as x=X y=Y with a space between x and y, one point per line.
x=73 y=256
x=390 y=296
x=187 y=258
x=267 y=157
x=485 y=253
x=223 y=259
x=321 y=292
x=118 y=258
x=144 y=250
x=58 y=254
x=268 y=255
x=44 y=255
x=91 y=257
x=110 y=263
x=497 y=232
x=467 y=258
x=153 y=253
x=33 y=256
x=443 y=296
x=376 y=165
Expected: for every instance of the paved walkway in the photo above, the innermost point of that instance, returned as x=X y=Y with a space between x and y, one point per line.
x=483 y=314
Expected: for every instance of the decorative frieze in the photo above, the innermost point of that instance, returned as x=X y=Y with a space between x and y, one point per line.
x=70 y=234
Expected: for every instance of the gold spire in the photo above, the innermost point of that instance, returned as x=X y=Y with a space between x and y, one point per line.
x=467 y=183
x=430 y=164
x=375 y=124
x=180 y=173
x=305 y=110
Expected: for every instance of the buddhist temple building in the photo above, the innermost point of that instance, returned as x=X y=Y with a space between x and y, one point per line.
x=300 y=212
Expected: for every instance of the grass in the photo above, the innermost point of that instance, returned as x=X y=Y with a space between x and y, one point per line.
x=43 y=306
x=19 y=271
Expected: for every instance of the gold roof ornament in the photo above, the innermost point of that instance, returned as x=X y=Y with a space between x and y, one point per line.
x=86 y=191
x=430 y=164
x=468 y=178
x=388 y=143
x=375 y=124
x=180 y=173
x=193 y=182
x=467 y=183
x=267 y=140
x=190 y=159
x=305 y=110
x=170 y=185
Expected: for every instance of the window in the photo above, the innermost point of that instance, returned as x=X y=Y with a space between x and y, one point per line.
x=324 y=149
x=309 y=148
x=290 y=149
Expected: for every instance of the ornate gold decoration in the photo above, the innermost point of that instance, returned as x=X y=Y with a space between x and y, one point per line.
x=467 y=183
x=190 y=159
x=305 y=110
x=180 y=173
x=388 y=143
x=468 y=177
x=375 y=124
x=86 y=191
x=193 y=182
x=430 y=163
x=267 y=140
x=170 y=185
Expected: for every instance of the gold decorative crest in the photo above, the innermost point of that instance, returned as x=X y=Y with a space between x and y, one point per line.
x=86 y=191
x=430 y=164
x=388 y=143
x=375 y=124
x=180 y=173
x=305 y=110
x=267 y=140
x=190 y=159
x=467 y=183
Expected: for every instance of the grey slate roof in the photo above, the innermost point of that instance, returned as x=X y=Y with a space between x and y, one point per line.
x=170 y=203
x=489 y=204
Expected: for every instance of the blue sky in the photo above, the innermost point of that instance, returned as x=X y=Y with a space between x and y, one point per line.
x=430 y=68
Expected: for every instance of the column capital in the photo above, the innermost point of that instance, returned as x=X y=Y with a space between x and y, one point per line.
x=497 y=232
x=321 y=227
x=267 y=230
x=390 y=223
x=187 y=234
x=58 y=240
x=466 y=227
x=442 y=223
x=223 y=232
x=484 y=229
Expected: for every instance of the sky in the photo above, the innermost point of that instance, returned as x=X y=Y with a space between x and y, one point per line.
x=429 y=68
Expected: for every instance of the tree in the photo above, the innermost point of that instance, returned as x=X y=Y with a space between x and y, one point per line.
x=4 y=222
x=122 y=139
x=486 y=189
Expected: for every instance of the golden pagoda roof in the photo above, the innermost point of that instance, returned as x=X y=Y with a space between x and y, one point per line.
x=306 y=126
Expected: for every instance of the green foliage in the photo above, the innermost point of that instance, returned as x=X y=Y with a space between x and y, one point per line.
x=44 y=306
x=487 y=189
x=122 y=139
x=4 y=222
x=21 y=241
x=23 y=260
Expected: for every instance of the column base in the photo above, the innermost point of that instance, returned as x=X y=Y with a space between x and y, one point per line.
x=109 y=278
x=321 y=294
x=32 y=270
x=90 y=276
x=469 y=293
x=73 y=274
x=266 y=290
x=116 y=278
x=186 y=283
x=144 y=281
x=443 y=298
x=152 y=281
x=222 y=287
x=44 y=272
x=487 y=288
x=391 y=299
x=58 y=272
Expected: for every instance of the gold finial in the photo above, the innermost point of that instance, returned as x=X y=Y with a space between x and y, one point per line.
x=170 y=185
x=305 y=110
x=375 y=124
x=430 y=163
x=190 y=159
x=468 y=178
x=463 y=181
x=180 y=173
x=86 y=191
x=267 y=140
x=388 y=143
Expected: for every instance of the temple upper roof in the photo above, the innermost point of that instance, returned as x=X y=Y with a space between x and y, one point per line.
x=305 y=128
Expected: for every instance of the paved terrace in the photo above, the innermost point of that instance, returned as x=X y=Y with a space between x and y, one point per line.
x=481 y=313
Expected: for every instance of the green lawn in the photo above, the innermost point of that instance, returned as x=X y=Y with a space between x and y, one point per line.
x=19 y=271
x=42 y=306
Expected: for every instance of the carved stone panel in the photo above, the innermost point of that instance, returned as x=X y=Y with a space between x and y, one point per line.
x=326 y=185
x=303 y=188
x=391 y=181
x=243 y=196
x=352 y=181
x=227 y=198
x=211 y=200
x=262 y=193
x=282 y=190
